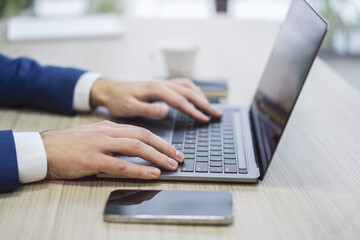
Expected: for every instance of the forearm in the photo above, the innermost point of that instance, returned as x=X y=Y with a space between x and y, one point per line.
x=9 y=179
x=24 y=83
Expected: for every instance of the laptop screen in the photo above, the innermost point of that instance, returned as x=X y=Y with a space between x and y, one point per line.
x=294 y=51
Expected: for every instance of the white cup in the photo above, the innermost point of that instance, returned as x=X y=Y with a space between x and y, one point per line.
x=179 y=57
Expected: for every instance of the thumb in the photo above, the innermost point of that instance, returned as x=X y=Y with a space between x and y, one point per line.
x=150 y=110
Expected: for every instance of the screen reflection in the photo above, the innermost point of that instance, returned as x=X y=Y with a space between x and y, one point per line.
x=290 y=61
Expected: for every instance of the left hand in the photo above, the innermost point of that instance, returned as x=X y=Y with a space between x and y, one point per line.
x=130 y=99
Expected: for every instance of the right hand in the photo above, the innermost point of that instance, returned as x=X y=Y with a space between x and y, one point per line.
x=130 y=99
x=89 y=149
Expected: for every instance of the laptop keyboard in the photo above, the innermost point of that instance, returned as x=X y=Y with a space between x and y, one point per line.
x=208 y=148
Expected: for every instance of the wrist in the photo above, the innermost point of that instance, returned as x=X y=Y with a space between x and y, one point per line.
x=100 y=92
x=48 y=150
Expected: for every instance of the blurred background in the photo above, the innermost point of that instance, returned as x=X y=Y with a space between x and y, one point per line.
x=341 y=49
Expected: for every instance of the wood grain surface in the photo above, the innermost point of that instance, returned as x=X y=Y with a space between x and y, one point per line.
x=312 y=188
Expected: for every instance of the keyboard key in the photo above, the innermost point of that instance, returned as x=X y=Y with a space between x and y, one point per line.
x=230 y=156
x=243 y=171
x=229 y=137
x=216 y=148
x=203 y=135
x=202 y=159
x=202 y=144
x=215 y=158
x=201 y=167
x=231 y=146
x=190 y=141
x=177 y=146
x=178 y=136
x=242 y=162
x=215 y=143
x=203 y=140
x=202 y=154
x=202 y=149
x=228 y=133
x=215 y=138
x=215 y=133
x=215 y=153
x=191 y=146
x=188 y=166
x=228 y=141
x=230 y=161
x=216 y=169
x=190 y=137
x=189 y=151
x=229 y=151
x=230 y=168
x=189 y=156
x=215 y=164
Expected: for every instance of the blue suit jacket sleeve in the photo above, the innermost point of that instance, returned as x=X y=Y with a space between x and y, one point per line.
x=24 y=83
x=9 y=176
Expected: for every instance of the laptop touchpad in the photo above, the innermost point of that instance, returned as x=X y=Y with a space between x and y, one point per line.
x=161 y=128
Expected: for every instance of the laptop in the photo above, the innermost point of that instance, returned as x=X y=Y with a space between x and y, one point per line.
x=239 y=146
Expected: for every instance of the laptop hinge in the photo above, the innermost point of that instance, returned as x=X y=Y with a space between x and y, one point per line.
x=256 y=143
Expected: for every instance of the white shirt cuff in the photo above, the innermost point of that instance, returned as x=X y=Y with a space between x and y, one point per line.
x=82 y=91
x=31 y=156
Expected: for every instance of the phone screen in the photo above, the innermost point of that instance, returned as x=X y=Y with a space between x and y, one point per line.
x=169 y=206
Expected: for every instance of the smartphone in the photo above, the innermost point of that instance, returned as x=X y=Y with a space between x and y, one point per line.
x=170 y=206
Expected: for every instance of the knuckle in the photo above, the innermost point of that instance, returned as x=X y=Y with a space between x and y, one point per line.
x=187 y=82
x=145 y=133
x=159 y=85
x=141 y=172
x=136 y=144
x=128 y=103
x=120 y=166
x=199 y=99
x=155 y=84
x=164 y=158
x=106 y=123
x=95 y=165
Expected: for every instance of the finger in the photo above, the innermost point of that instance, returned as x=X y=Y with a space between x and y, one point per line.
x=108 y=124
x=118 y=166
x=149 y=138
x=187 y=83
x=176 y=100
x=199 y=101
x=149 y=110
x=135 y=148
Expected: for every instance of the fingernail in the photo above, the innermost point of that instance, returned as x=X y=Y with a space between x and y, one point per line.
x=173 y=163
x=179 y=155
x=154 y=172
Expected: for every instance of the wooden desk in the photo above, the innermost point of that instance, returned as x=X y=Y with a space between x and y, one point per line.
x=311 y=191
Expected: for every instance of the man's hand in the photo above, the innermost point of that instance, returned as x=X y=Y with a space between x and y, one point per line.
x=90 y=149
x=129 y=99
